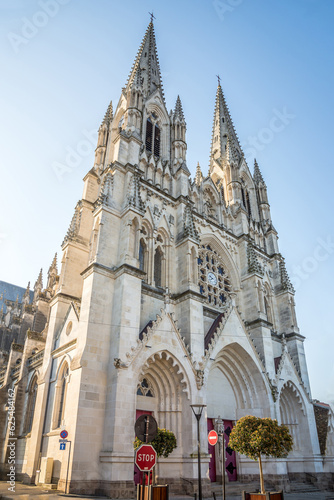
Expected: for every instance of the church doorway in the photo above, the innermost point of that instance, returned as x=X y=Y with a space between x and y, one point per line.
x=212 y=453
x=235 y=388
x=230 y=455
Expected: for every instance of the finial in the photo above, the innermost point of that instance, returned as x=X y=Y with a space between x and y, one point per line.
x=178 y=111
x=218 y=80
x=199 y=175
x=152 y=16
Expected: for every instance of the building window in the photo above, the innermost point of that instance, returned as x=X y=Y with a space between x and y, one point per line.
x=149 y=135
x=61 y=390
x=141 y=255
x=248 y=207
x=145 y=389
x=158 y=267
x=31 y=406
x=214 y=283
x=156 y=141
x=152 y=141
x=243 y=197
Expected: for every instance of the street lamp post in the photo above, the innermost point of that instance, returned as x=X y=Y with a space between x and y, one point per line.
x=220 y=432
x=198 y=410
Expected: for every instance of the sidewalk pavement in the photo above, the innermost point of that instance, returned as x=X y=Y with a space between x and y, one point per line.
x=30 y=492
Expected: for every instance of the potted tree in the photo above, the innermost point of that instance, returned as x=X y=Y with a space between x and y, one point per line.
x=256 y=437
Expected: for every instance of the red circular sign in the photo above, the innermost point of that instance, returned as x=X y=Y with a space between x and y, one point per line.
x=63 y=434
x=212 y=438
x=146 y=457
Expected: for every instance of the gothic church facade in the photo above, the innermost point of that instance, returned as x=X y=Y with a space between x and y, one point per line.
x=171 y=291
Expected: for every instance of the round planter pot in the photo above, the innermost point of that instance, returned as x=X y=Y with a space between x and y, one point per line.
x=269 y=495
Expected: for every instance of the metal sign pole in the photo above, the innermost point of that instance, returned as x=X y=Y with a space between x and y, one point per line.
x=146 y=441
x=68 y=465
x=223 y=462
x=221 y=434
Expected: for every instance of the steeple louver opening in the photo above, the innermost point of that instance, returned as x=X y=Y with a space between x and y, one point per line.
x=156 y=141
x=149 y=135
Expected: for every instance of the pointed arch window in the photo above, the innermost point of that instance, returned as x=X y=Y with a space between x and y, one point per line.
x=149 y=135
x=152 y=140
x=246 y=200
x=145 y=389
x=62 y=397
x=158 y=267
x=142 y=248
x=243 y=197
x=31 y=406
x=248 y=207
x=156 y=141
x=61 y=390
x=141 y=255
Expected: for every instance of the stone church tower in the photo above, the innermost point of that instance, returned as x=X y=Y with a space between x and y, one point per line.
x=171 y=292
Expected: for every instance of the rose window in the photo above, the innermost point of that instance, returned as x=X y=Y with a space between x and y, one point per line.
x=214 y=283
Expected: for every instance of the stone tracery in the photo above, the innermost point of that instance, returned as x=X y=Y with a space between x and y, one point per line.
x=213 y=281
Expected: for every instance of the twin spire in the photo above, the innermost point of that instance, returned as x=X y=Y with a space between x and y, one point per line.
x=225 y=143
x=146 y=69
x=146 y=74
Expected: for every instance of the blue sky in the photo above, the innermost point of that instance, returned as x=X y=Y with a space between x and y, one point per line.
x=63 y=60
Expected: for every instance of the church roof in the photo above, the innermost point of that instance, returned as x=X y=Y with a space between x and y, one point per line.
x=11 y=292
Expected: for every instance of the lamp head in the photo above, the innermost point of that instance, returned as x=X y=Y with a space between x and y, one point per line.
x=197 y=410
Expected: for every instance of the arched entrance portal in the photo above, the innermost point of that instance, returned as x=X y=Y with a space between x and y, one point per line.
x=293 y=415
x=235 y=388
x=163 y=391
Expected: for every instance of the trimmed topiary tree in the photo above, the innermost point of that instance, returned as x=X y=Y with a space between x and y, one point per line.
x=163 y=443
x=256 y=437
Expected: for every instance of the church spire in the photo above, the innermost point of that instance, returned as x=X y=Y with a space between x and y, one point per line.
x=178 y=111
x=26 y=296
x=38 y=285
x=108 y=117
x=224 y=138
x=146 y=67
x=39 y=281
x=257 y=174
x=52 y=276
x=199 y=175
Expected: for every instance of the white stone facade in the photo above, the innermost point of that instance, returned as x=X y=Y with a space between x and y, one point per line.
x=170 y=280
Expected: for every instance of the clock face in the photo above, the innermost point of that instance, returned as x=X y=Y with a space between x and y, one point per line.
x=212 y=279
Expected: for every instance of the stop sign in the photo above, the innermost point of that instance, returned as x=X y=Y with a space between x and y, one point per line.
x=212 y=438
x=146 y=457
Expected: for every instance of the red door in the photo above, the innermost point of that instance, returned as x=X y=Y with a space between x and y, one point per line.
x=211 y=450
x=137 y=473
x=230 y=458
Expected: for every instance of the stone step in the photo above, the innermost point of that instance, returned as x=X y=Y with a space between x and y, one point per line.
x=303 y=487
x=45 y=486
x=233 y=488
